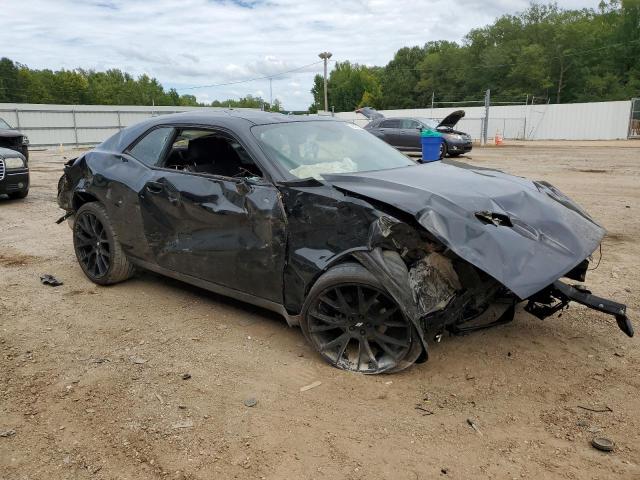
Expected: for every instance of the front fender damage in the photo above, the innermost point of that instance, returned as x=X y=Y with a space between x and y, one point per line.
x=436 y=290
x=440 y=292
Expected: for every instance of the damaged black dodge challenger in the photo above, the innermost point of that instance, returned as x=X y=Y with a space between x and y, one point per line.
x=369 y=252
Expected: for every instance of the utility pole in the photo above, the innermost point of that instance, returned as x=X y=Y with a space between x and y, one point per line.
x=325 y=56
x=270 y=93
x=485 y=127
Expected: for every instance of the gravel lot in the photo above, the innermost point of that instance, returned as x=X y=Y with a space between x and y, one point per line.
x=91 y=378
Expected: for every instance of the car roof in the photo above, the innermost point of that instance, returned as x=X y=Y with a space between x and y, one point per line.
x=216 y=116
x=229 y=118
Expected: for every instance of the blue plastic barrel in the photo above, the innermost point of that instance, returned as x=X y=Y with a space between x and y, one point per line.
x=431 y=147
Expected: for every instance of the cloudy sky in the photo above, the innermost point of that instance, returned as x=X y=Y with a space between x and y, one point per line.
x=188 y=43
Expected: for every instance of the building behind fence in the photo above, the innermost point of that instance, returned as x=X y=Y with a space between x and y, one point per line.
x=81 y=125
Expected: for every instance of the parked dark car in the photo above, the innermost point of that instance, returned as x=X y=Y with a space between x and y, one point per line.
x=14 y=174
x=12 y=139
x=404 y=132
x=369 y=252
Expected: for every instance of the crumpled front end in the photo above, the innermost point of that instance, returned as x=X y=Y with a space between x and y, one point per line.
x=489 y=237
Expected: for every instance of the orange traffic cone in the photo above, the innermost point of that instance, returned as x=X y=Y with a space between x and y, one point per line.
x=498 y=139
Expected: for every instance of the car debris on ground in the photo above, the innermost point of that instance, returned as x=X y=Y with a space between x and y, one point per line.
x=603 y=444
x=50 y=280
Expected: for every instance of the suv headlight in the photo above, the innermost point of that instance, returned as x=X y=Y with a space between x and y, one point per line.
x=13 y=162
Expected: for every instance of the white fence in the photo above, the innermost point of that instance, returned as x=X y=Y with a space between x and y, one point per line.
x=75 y=124
x=90 y=124
x=568 y=121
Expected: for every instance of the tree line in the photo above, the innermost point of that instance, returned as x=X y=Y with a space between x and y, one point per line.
x=21 y=84
x=543 y=54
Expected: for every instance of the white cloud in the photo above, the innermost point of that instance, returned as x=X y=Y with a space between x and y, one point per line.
x=201 y=42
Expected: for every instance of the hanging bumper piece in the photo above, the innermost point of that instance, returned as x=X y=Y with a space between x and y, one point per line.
x=557 y=296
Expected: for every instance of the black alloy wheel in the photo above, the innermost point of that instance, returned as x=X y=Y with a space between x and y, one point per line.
x=359 y=327
x=92 y=245
x=97 y=248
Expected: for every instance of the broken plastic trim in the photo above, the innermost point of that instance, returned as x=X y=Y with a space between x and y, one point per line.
x=64 y=217
x=558 y=295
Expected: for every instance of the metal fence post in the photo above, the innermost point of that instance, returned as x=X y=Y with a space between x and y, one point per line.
x=119 y=122
x=75 y=126
x=633 y=131
x=485 y=127
x=17 y=118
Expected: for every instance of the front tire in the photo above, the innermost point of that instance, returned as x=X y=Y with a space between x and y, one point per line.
x=97 y=247
x=355 y=325
x=443 y=150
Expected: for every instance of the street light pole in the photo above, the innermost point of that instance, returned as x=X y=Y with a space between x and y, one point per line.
x=325 y=56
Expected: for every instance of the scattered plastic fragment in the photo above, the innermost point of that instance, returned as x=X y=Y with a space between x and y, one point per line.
x=603 y=444
x=315 y=384
x=50 y=280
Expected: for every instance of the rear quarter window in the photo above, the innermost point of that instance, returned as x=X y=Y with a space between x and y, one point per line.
x=149 y=150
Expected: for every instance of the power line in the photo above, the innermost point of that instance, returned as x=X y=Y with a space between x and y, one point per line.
x=251 y=79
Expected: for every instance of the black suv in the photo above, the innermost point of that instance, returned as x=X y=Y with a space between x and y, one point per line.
x=13 y=139
x=14 y=174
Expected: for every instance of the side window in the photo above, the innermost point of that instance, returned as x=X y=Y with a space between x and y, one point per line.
x=390 y=124
x=211 y=152
x=410 y=124
x=149 y=150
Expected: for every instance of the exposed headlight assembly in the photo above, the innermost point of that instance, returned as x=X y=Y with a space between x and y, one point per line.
x=13 y=162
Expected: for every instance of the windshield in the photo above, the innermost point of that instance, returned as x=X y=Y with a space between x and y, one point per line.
x=429 y=122
x=4 y=124
x=311 y=149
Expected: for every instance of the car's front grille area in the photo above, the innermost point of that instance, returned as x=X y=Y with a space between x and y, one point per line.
x=2 y=169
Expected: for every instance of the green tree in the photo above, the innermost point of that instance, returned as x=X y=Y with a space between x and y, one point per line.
x=400 y=78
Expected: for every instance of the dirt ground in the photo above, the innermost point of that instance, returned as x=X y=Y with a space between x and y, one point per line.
x=91 y=378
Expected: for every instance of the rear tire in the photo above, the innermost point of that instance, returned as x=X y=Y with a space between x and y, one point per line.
x=355 y=325
x=97 y=247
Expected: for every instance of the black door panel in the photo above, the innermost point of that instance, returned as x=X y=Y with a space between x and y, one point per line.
x=220 y=230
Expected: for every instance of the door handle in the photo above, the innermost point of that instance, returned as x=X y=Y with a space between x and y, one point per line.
x=154 y=187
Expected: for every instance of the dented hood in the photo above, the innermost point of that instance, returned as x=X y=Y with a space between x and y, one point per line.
x=525 y=234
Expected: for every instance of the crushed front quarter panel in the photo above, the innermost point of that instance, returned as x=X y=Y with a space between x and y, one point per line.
x=538 y=234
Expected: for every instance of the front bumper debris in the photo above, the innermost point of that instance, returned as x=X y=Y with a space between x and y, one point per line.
x=557 y=296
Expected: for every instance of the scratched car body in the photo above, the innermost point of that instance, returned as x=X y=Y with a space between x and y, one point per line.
x=369 y=252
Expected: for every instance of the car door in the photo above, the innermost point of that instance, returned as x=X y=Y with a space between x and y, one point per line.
x=390 y=131
x=410 y=134
x=228 y=231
